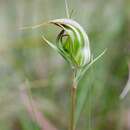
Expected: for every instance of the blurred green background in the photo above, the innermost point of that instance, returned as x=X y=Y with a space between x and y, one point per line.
x=32 y=75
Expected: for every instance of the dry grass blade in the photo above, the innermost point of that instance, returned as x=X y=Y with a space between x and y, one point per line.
x=34 y=113
x=127 y=87
x=34 y=26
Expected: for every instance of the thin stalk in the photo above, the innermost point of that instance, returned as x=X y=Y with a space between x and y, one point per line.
x=67 y=9
x=73 y=104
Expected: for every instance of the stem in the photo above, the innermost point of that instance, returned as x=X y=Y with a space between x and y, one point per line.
x=73 y=105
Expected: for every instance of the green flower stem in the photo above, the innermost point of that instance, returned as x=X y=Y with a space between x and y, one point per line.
x=73 y=104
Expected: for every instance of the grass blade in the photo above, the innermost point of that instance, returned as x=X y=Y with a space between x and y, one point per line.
x=83 y=90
